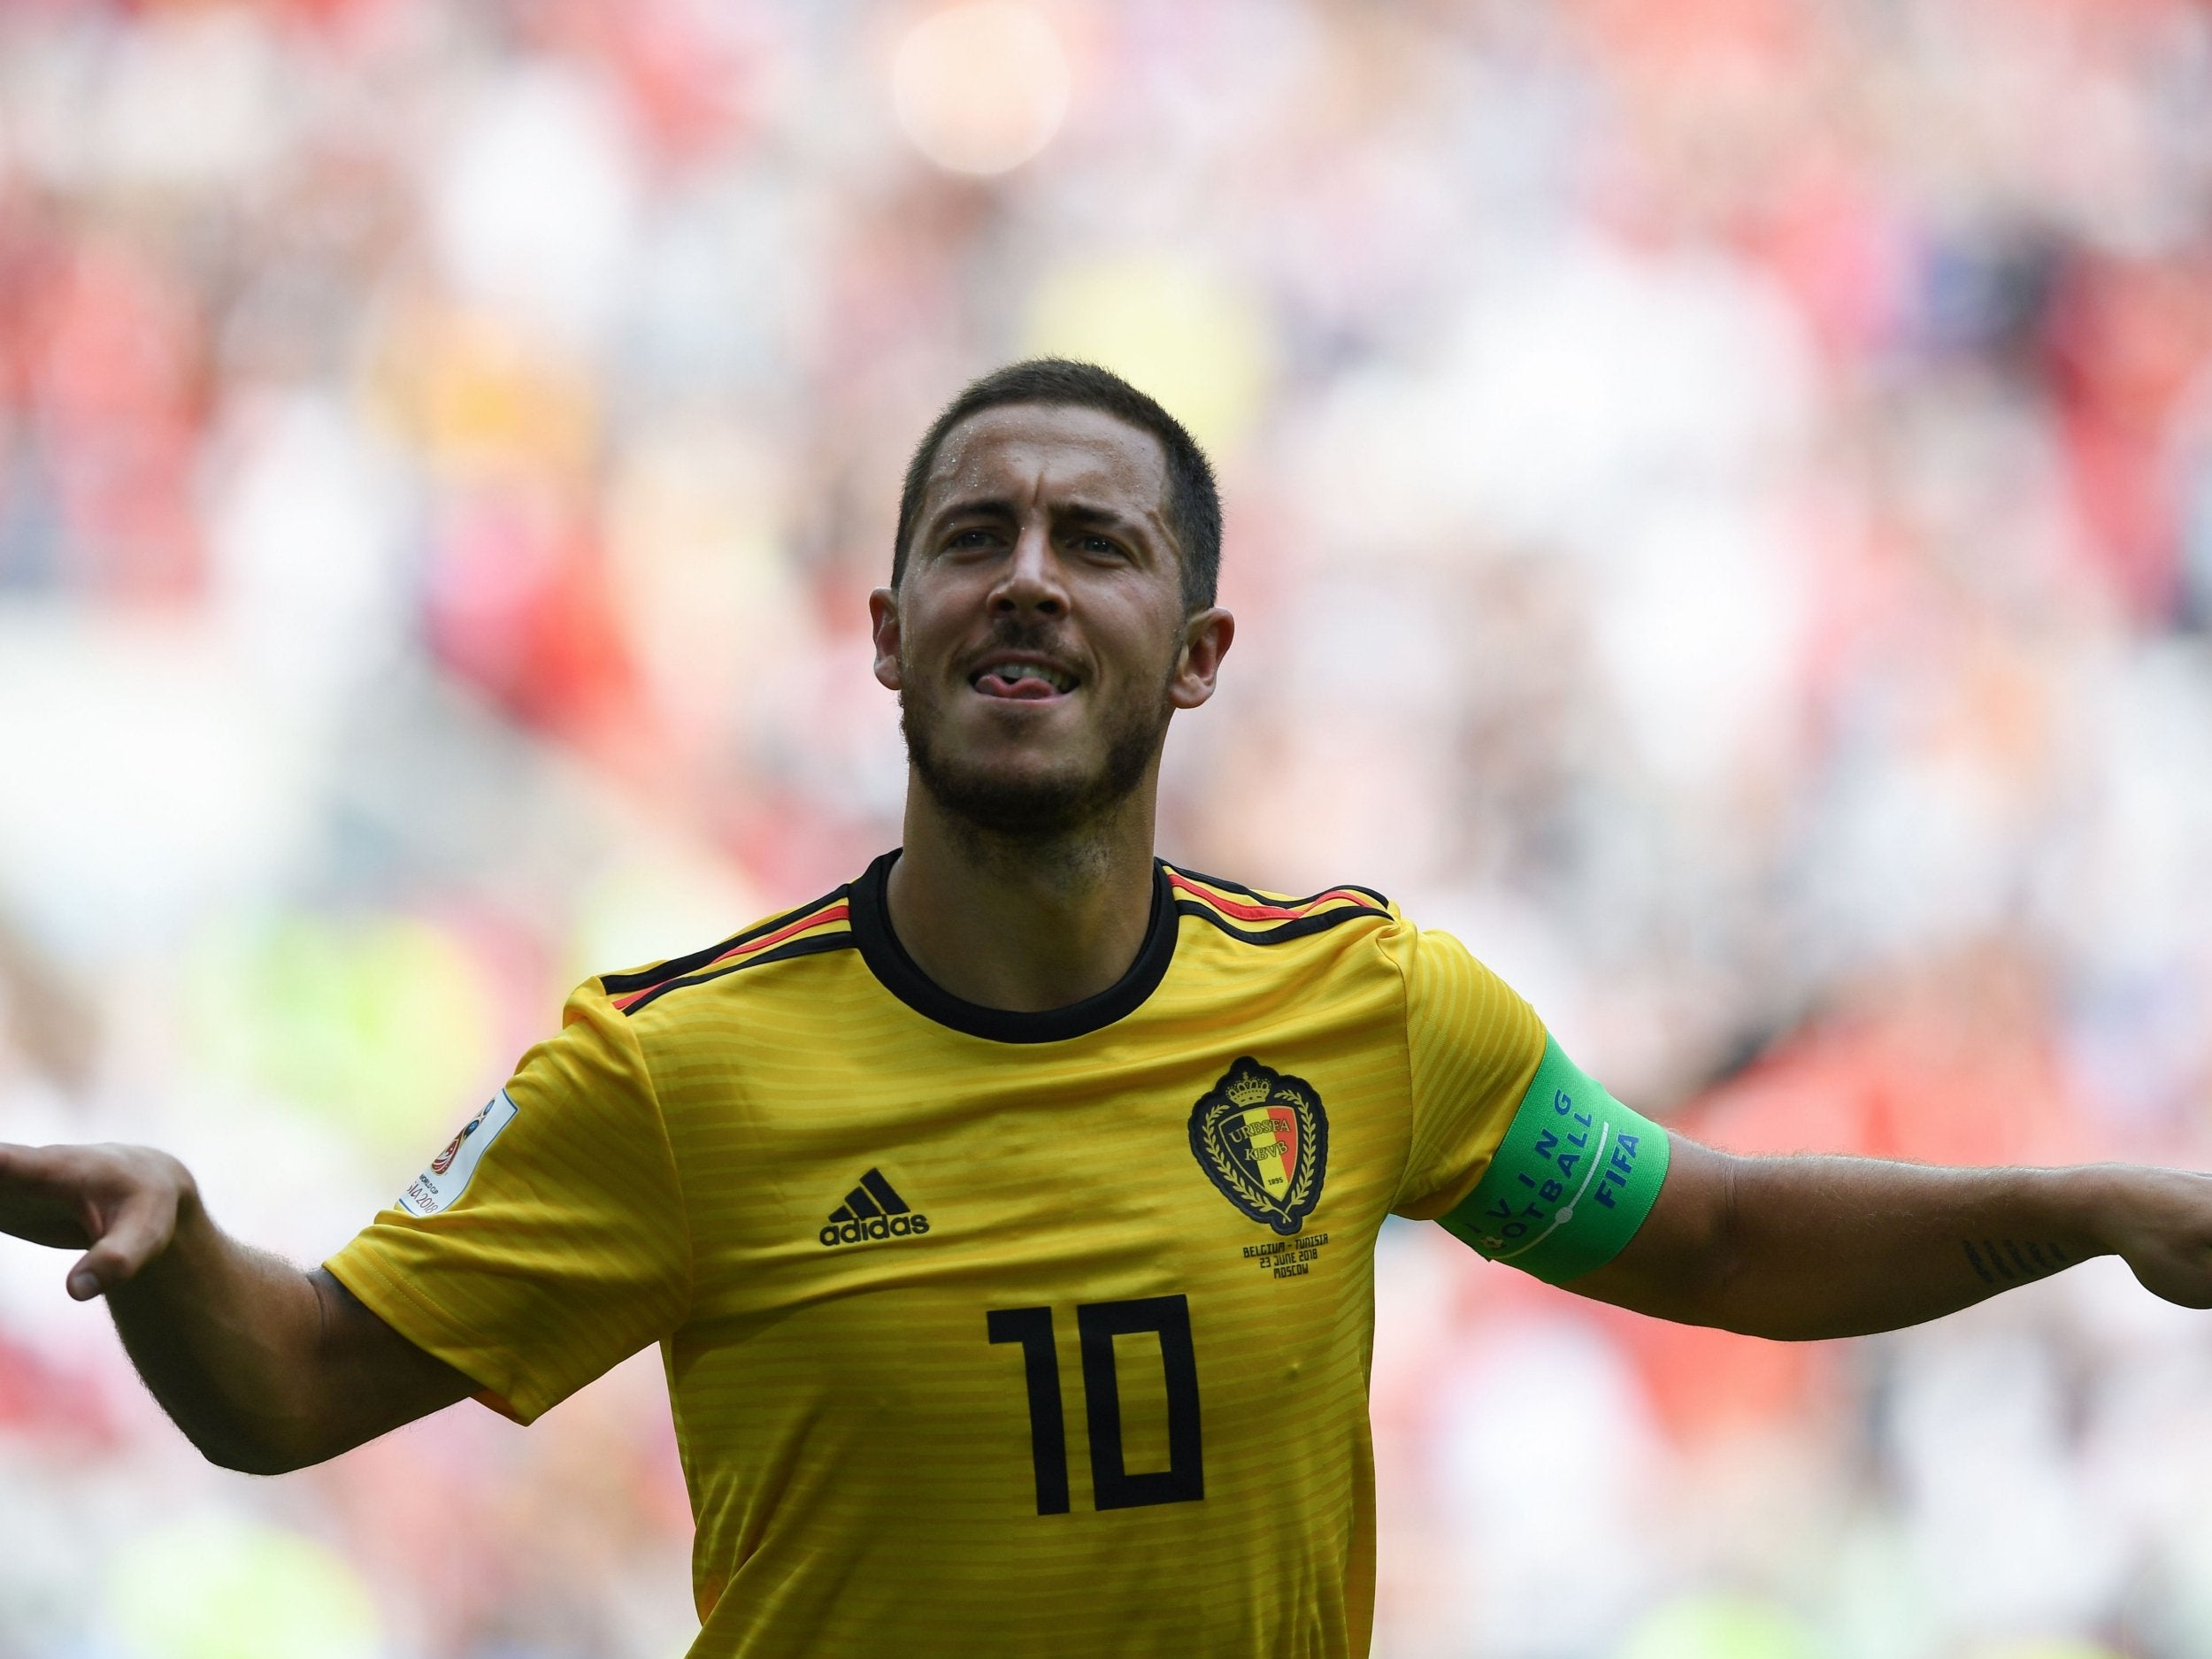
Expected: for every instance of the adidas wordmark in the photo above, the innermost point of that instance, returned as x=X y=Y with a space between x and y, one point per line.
x=873 y=1209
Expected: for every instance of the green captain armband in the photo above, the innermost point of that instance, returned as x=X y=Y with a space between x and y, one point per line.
x=1572 y=1180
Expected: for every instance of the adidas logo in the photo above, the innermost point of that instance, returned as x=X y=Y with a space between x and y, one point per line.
x=873 y=1209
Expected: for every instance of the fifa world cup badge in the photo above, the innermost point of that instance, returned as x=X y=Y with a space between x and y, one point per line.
x=442 y=1185
x=1263 y=1139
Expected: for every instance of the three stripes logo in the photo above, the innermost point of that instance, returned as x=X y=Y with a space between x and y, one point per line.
x=873 y=1209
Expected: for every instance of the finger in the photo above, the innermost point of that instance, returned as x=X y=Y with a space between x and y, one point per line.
x=84 y=1280
x=43 y=1168
x=41 y=1190
x=22 y=1162
x=138 y=1231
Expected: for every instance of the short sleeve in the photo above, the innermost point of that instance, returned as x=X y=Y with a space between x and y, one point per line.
x=1472 y=1048
x=548 y=1242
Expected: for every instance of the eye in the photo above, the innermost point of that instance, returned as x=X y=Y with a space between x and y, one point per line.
x=1099 y=547
x=975 y=537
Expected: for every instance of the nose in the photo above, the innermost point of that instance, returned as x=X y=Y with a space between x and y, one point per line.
x=1031 y=581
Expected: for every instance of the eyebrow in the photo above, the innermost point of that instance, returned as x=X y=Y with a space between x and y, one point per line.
x=1076 y=512
x=1098 y=517
x=979 y=507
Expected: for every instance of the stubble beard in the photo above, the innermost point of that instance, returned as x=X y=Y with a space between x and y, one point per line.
x=1061 y=806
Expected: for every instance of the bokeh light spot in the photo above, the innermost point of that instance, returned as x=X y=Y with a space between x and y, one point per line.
x=1170 y=327
x=380 y=1025
x=217 y=1588
x=980 y=89
x=1719 y=1627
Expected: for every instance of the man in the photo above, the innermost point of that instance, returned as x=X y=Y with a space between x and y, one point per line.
x=1005 y=1216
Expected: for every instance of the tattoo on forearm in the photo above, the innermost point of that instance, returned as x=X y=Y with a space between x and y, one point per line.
x=2005 y=1262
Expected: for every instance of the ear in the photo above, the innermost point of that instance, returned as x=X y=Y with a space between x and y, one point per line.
x=1206 y=637
x=883 y=620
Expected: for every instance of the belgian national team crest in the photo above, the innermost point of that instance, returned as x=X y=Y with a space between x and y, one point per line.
x=1263 y=1139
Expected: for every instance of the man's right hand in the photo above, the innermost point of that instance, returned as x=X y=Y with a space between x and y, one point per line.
x=119 y=1205
x=264 y=1368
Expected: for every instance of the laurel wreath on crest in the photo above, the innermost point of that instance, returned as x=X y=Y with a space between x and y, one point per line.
x=1302 y=1179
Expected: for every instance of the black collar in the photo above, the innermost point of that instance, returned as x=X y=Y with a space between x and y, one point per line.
x=887 y=959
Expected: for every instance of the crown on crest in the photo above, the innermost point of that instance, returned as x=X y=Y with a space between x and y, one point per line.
x=1248 y=1090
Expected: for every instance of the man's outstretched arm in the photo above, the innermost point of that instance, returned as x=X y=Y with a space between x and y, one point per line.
x=266 y=1368
x=1805 y=1248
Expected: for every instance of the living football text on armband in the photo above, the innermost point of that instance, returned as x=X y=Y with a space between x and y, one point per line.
x=1572 y=1180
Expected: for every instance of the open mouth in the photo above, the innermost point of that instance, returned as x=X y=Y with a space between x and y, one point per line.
x=1022 y=679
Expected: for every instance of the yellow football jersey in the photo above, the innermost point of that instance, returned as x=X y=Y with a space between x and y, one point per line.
x=985 y=1333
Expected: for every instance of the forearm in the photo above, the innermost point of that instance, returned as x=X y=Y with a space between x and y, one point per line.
x=228 y=1339
x=1829 y=1247
x=1806 y=1247
x=264 y=1367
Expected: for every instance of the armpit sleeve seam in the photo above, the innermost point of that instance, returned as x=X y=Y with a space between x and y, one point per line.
x=1405 y=1048
x=675 y=1174
x=386 y=1287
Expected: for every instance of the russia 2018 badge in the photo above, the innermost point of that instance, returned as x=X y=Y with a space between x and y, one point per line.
x=438 y=1187
x=1263 y=1139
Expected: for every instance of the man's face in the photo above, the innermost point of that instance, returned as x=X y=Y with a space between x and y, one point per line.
x=1038 y=639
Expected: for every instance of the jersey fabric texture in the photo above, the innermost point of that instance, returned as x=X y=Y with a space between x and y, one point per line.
x=987 y=1332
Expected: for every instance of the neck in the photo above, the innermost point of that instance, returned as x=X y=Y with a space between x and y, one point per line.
x=1025 y=924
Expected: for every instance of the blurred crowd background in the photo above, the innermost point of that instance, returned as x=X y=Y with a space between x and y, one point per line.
x=1720 y=516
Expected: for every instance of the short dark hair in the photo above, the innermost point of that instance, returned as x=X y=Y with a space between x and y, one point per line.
x=1193 y=503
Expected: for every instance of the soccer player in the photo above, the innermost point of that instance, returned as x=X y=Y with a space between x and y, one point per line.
x=1005 y=1218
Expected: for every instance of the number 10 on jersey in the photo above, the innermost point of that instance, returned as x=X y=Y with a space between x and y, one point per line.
x=1097 y=1324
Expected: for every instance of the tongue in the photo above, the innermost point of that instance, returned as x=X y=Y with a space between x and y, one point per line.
x=1026 y=686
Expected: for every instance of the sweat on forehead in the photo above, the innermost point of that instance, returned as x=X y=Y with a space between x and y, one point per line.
x=1051 y=448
